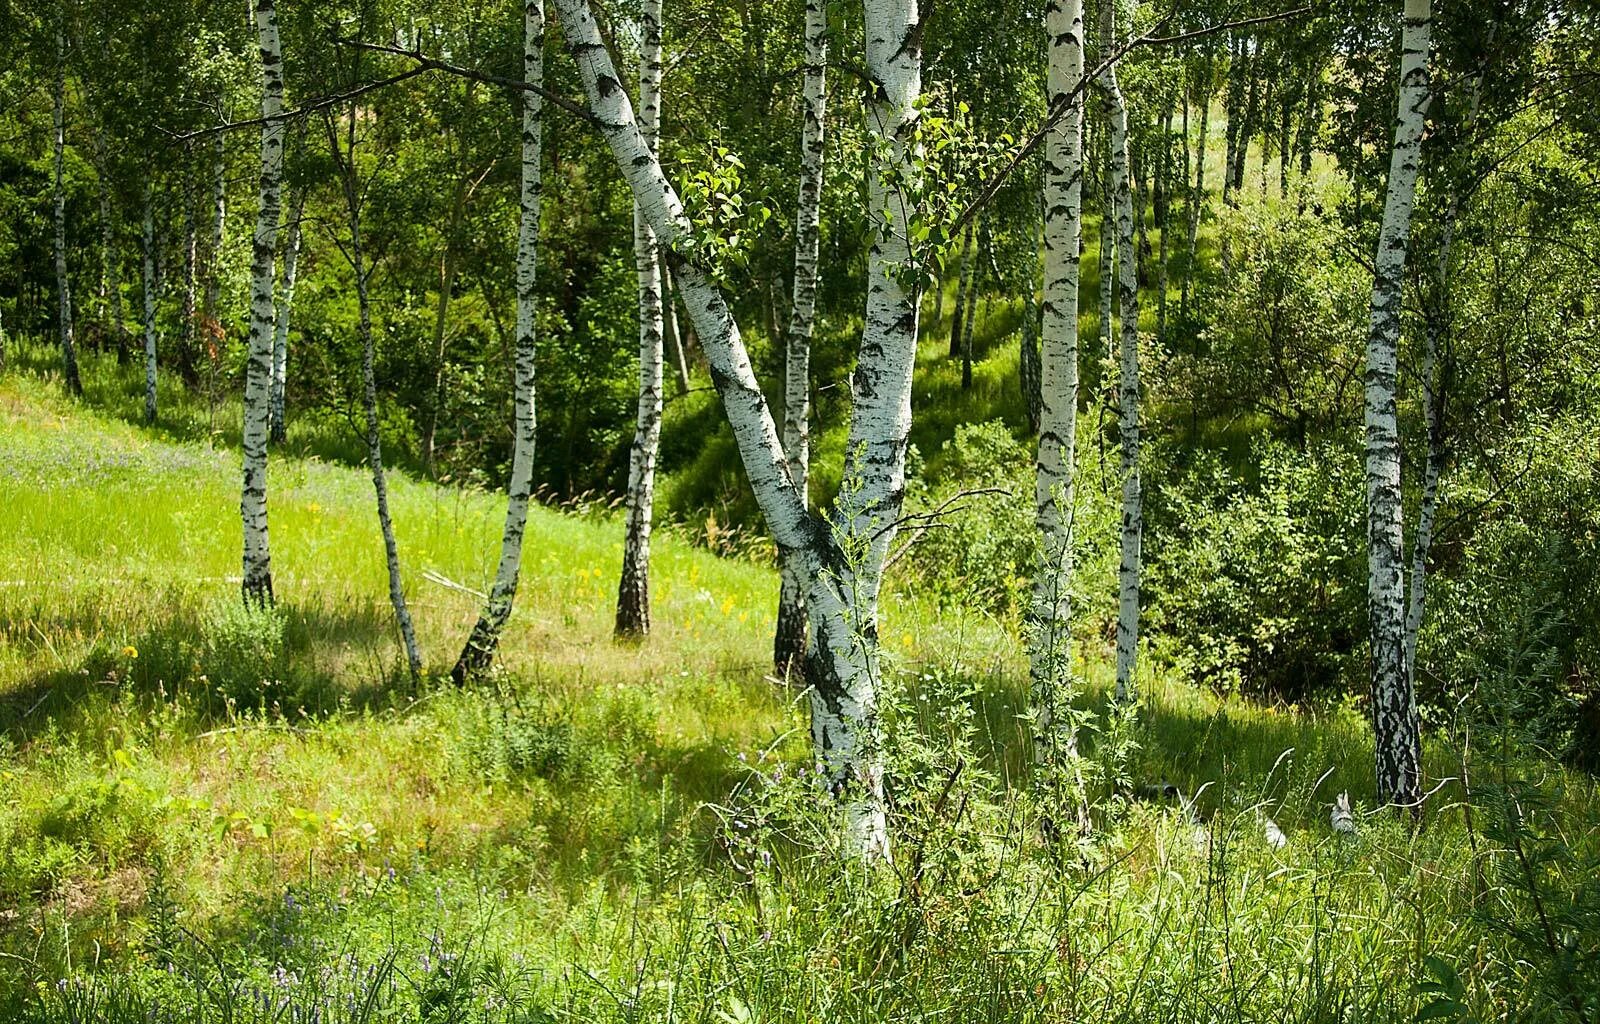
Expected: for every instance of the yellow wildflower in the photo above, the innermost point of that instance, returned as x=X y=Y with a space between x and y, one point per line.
x=130 y=651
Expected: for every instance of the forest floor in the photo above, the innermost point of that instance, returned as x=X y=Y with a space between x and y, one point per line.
x=232 y=815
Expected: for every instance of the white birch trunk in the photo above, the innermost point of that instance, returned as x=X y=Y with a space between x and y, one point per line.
x=789 y=638
x=1131 y=564
x=149 y=309
x=633 y=588
x=1394 y=708
x=280 y=333
x=186 y=330
x=1049 y=626
x=479 y=651
x=842 y=600
x=257 y=583
x=219 y=225
x=69 y=353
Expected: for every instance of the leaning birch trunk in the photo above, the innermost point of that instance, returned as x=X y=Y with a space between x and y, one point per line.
x=1394 y=707
x=789 y=638
x=842 y=665
x=369 y=381
x=69 y=354
x=257 y=583
x=149 y=308
x=280 y=334
x=633 y=588
x=1434 y=399
x=1049 y=613
x=478 y=653
x=1129 y=571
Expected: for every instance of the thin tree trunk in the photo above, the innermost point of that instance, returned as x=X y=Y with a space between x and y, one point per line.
x=789 y=639
x=1108 y=230
x=69 y=353
x=1129 y=572
x=669 y=323
x=844 y=568
x=1162 y=211
x=280 y=336
x=480 y=648
x=633 y=589
x=149 y=308
x=1435 y=396
x=975 y=282
x=1197 y=201
x=1028 y=366
x=257 y=582
x=1050 y=611
x=963 y=282
x=186 y=329
x=441 y=320
x=1394 y=706
x=219 y=223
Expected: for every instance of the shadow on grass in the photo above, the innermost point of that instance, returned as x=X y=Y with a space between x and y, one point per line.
x=215 y=661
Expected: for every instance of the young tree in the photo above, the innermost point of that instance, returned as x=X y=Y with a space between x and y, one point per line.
x=69 y=353
x=344 y=158
x=1049 y=613
x=1394 y=706
x=1121 y=193
x=843 y=559
x=149 y=266
x=257 y=584
x=633 y=589
x=789 y=638
x=485 y=637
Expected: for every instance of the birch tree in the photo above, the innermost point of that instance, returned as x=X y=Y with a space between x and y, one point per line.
x=633 y=589
x=1119 y=187
x=149 y=281
x=843 y=558
x=257 y=584
x=479 y=651
x=1049 y=613
x=1198 y=198
x=789 y=639
x=69 y=353
x=1394 y=707
x=344 y=157
x=285 y=303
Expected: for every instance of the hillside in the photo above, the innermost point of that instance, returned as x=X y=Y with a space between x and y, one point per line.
x=175 y=769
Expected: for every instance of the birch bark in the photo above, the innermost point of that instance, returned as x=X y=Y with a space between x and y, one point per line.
x=1049 y=613
x=1198 y=199
x=479 y=651
x=633 y=588
x=69 y=352
x=149 y=261
x=844 y=563
x=257 y=583
x=280 y=335
x=1131 y=563
x=1394 y=708
x=789 y=639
